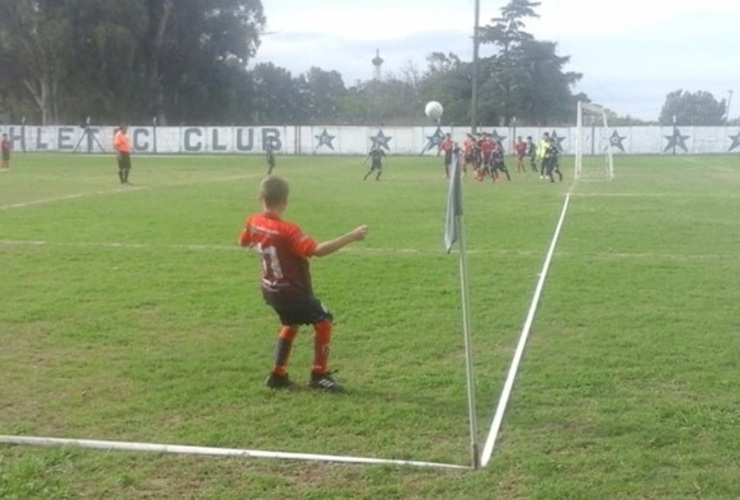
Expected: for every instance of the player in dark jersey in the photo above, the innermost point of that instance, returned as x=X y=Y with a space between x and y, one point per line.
x=532 y=153
x=497 y=160
x=270 y=156
x=551 y=160
x=286 y=281
x=375 y=156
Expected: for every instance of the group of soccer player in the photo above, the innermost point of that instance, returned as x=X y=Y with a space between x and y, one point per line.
x=485 y=155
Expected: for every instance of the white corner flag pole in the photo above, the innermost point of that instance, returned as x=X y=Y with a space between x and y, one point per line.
x=455 y=231
x=465 y=299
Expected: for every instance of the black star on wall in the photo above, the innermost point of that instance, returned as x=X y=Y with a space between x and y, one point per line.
x=616 y=140
x=558 y=140
x=496 y=137
x=735 y=141
x=325 y=140
x=433 y=140
x=380 y=140
x=676 y=140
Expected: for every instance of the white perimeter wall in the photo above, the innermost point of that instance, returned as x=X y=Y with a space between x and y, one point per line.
x=358 y=140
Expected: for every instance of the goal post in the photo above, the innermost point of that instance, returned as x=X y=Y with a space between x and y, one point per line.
x=593 y=152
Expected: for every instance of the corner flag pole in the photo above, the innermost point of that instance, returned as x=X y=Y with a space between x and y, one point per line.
x=455 y=231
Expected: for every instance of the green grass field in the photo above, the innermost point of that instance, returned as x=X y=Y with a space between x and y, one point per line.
x=130 y=314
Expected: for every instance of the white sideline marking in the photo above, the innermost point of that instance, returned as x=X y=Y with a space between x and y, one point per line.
x=205 y=450
x=509 y=384
x=655 y=195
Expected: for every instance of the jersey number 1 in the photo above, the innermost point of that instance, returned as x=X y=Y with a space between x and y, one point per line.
x=270 y=262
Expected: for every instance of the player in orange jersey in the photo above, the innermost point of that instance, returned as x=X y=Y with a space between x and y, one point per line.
x=123 y=153
x=520 y=149
x=468 y=153
x=446 y=146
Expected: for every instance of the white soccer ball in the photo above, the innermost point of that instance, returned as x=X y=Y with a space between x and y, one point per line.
x=433 y=110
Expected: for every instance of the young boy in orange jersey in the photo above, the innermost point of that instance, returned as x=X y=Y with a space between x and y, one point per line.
x=123 y=153
x=286 y=281
x=446 y=147
x=520 y=149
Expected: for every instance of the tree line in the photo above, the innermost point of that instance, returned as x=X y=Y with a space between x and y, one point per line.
x=187 y=62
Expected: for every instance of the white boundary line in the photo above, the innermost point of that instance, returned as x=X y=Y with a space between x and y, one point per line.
x=509 y=384
x=205 y=450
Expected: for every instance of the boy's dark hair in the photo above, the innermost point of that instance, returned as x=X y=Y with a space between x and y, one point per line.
x=273 y=191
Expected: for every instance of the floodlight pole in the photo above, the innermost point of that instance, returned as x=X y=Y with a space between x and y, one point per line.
x=474 y=95
x=729 y=101
x=23 y=134
x=154 y=134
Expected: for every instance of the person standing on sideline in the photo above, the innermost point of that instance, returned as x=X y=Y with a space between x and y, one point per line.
x=375 y=156
x=286 y=282
x=446 y=146
x=122 y=145
x=520 y=149
x=5 y=146
x=532 y=153
x=270 y=157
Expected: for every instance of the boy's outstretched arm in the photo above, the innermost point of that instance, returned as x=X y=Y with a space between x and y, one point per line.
x=331 y=246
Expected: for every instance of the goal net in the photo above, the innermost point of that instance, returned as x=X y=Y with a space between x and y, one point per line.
x=593 y=152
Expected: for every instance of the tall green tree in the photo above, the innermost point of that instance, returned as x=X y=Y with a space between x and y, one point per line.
x=129 y=59
x=507 y=34
x=525 y=78
x=320 y=93
x=35 y=52
x=449 y=81
x=698 y=108
x=276 y=96
x=190 y=41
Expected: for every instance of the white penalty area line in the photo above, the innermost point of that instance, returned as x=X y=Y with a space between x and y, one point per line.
x=235 y=247
x=124 y=189
x=509 y=384
x=67 y=197
x=213 y=451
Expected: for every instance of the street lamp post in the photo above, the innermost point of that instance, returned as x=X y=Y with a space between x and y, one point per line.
x=729 y=101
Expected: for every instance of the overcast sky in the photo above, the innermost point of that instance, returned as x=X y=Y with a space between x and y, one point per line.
x=632 y=53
